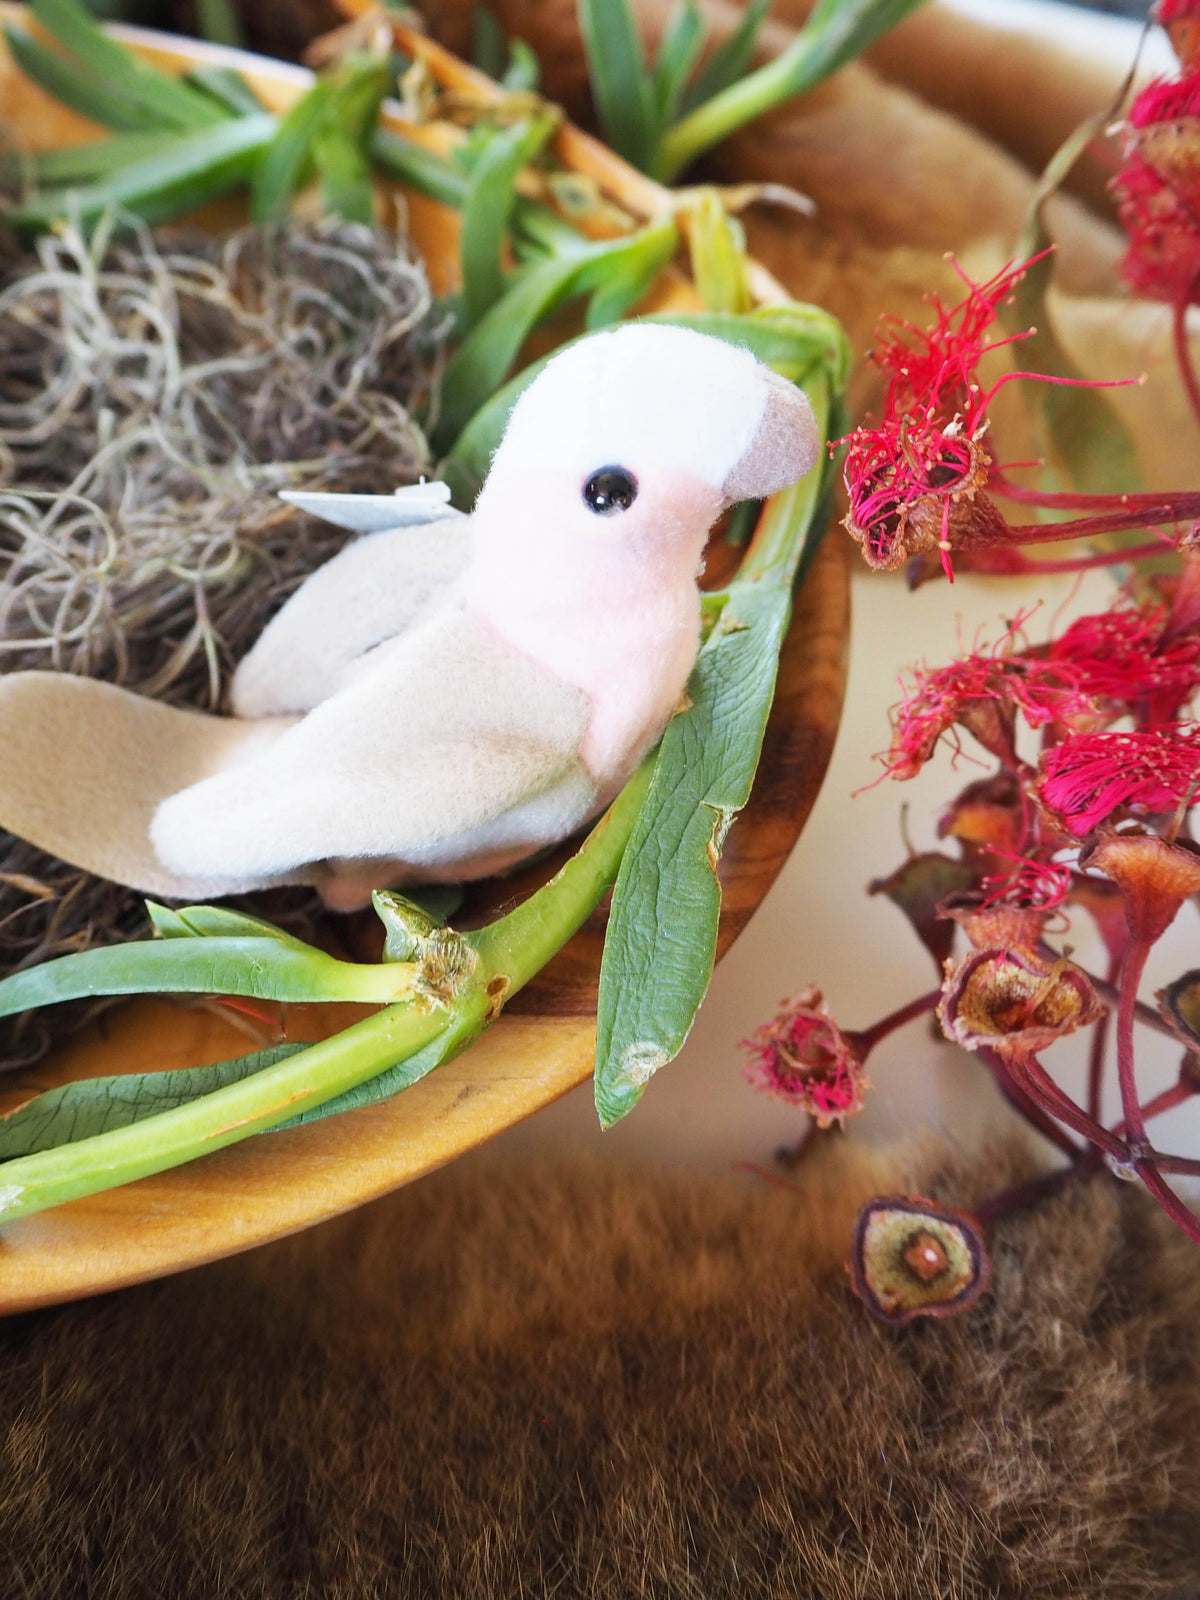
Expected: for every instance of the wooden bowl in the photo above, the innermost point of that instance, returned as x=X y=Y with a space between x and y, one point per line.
x=543 y=1043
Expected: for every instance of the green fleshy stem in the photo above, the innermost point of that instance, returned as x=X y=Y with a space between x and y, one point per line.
x=510 y=951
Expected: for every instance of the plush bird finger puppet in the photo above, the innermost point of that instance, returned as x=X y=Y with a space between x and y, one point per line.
x=450 y=693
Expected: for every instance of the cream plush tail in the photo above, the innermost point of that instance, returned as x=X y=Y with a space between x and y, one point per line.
x=86 y=765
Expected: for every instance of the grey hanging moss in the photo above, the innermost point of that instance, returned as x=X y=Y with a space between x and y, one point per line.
x=156 y=392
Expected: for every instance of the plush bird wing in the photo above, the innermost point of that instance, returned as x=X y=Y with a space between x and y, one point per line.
x=456 y=752
x=376 y=589
x=86 y=764
x=378 y=513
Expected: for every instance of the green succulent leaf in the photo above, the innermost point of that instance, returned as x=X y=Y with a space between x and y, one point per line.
x=213 y=922
x=431 y=174
x=622 y=86
x=98 y=1105
x=341 y=146
x=192 y=169
x=287 y=160
x=677 y=55
x=263 y=966
x=729 y=60
x=835 y=32
x=75 y=87
x=487 y=209
x=523 y=73
x=718 y=251
x=489 y=49
x=227 y=87
x=82 y=164
x=165 y=101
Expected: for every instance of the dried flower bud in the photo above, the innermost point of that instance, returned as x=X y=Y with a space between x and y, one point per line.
x=993 y=924
x=987 y=817
x=1179 y=1004
x=918 y=488
x=919 y=888
x=916 y=482
x=1154 y=876
x=804 y=1057
x=913 y=1258
x=1181 y=19
x=1105 y=904
x=1015 y=1002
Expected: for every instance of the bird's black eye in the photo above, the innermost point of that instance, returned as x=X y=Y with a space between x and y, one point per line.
x=610 y=489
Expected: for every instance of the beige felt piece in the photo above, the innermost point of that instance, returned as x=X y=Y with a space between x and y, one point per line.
x=86 y=763
x=450 y=745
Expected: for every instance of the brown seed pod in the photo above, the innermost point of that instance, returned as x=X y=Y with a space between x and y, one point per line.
x=1015 y=1002
x=912 y=1258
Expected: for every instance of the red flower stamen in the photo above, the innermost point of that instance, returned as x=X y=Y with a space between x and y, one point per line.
x=1035 y=885
x=804 y=1057
x=916 y=481
x=1165 y=100
x=1088 y=778
x=925 y=455
x=1120 y=656
x=981 y=692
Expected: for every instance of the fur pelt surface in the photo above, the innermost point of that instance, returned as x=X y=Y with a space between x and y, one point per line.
x=574 y=1381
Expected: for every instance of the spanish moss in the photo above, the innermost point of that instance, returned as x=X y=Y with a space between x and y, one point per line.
x=156 y=392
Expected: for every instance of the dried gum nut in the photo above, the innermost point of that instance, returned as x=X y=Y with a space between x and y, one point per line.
x=913 y=1258
x=1014 y=1001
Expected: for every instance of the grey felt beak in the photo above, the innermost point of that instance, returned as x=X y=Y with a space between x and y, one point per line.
x=784 y=447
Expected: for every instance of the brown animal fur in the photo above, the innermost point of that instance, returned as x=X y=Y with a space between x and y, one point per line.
x=555 y=1381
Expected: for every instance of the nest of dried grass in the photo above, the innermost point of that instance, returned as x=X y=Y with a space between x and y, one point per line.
x=156 y=391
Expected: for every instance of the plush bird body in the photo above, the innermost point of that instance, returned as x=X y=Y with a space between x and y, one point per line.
x=441 y=700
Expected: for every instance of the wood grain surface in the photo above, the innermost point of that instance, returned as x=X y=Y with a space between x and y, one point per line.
x=541 y=1047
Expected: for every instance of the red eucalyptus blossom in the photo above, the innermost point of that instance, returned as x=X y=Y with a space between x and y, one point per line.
x=1088 y=779
x=981 y=692
x=803 y=1056
x=915 y=481
x=921 y=481
x=1124 y=656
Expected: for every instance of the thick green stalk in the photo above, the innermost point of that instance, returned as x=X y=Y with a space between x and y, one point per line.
x=836 y=32
x=509 y=952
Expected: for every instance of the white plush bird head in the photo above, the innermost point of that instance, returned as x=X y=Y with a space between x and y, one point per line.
x=621 y=454
x=653 y=398
x=644 y=427
x=590 y=529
